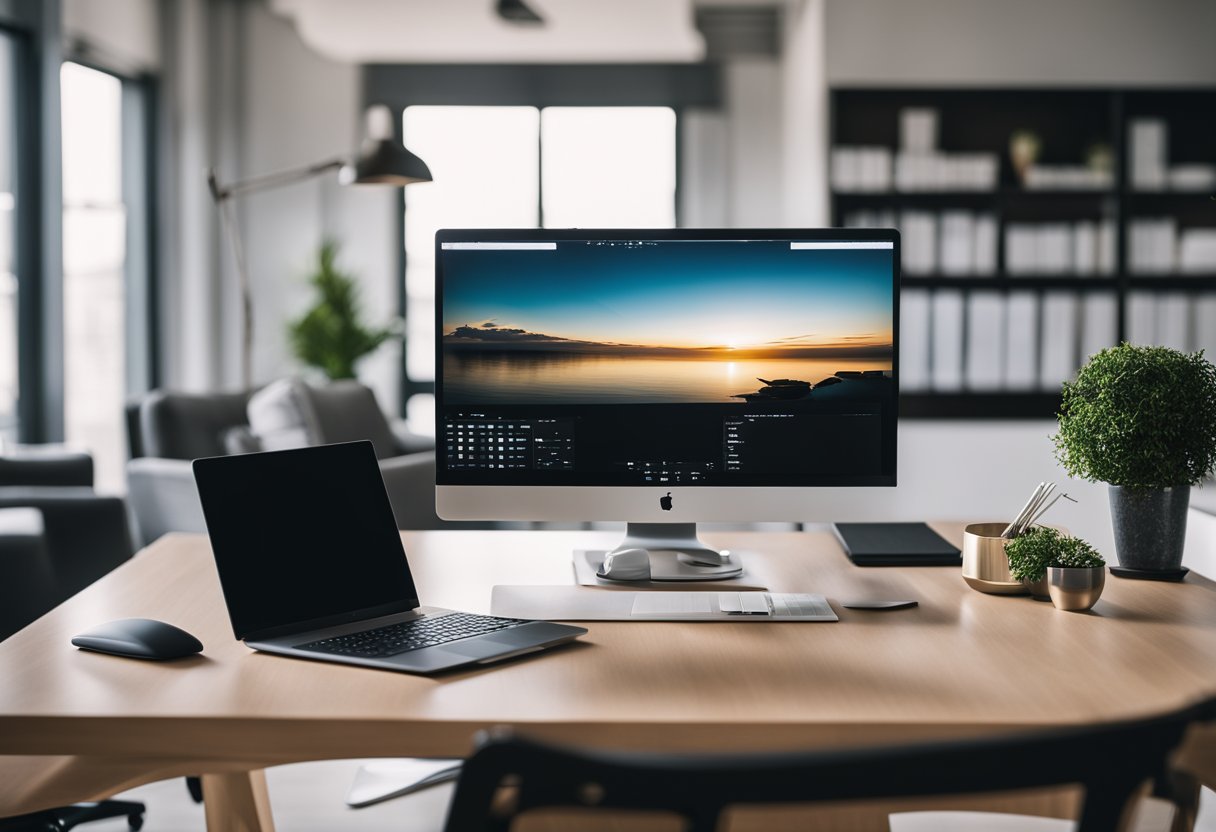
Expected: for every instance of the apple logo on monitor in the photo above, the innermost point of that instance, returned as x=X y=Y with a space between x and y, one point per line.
x=665 y=502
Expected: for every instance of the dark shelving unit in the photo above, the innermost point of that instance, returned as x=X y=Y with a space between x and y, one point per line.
x=1068 y=122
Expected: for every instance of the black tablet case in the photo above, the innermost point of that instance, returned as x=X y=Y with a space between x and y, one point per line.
x=896 y=544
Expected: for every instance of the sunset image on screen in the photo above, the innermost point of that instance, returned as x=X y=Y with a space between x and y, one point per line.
x=663 y=323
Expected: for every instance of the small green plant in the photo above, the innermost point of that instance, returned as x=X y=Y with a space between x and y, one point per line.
x=1140 y=417
x=331 y=335
x=1033 y=551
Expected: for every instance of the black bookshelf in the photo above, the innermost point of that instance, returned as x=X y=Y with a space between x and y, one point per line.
x=1069 y=123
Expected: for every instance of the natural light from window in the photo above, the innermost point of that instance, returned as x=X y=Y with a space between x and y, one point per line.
x=94 y=255
x=608 y=167
x=8 y=267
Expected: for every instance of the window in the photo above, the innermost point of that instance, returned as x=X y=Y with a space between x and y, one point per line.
x=106 y=349
x=512 y=167
x=8 y=266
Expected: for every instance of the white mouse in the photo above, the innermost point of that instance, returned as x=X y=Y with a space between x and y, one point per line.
x=626 y=565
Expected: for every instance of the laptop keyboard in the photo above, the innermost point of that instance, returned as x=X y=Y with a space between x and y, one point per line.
x=411 y=635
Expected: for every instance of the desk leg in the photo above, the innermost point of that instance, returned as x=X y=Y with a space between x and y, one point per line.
x=237 y=802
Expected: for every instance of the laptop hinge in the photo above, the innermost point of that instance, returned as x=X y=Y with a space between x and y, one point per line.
x=359 y=620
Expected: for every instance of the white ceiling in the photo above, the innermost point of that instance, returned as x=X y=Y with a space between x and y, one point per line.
x=469 y=31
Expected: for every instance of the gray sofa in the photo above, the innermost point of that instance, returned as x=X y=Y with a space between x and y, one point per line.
x=170 y=429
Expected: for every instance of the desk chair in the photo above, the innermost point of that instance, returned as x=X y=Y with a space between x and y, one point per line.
x=1110 y=761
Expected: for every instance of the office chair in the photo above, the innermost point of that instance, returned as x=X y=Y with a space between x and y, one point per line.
x=69 y=817
x=1110 y=761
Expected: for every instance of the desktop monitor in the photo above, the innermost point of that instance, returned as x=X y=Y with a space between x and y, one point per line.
x=663 y=377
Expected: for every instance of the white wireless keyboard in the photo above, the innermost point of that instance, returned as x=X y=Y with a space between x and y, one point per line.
x=574 y=603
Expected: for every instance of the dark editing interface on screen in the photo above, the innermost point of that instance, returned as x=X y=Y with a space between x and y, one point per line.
x=666 y=362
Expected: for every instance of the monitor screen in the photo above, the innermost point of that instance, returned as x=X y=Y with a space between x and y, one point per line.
x=697 y=359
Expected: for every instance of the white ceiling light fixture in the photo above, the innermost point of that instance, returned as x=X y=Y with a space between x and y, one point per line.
x=473 y=31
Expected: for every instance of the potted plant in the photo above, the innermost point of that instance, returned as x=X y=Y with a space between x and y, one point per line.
x=1029 y=555
x=1142 y=420
x=1070 y=568
x=331 y=335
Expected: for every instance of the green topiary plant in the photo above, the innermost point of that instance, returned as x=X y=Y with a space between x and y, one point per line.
x=1033 y=551
x=331 y=335
x=1140 y=417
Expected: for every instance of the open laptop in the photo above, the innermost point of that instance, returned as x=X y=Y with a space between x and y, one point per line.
x=312 y=566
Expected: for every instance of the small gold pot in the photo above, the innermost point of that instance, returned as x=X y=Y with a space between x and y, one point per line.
x=1075 y=588
x=985 y=565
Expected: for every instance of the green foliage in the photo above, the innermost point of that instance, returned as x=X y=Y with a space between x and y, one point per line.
x=331 y=335
x=1040 y=547
x=1140 y=417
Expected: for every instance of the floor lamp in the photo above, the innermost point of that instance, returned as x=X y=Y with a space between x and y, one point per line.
x=382 y=161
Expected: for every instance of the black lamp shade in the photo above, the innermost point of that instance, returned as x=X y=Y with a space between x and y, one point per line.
x=385 y=162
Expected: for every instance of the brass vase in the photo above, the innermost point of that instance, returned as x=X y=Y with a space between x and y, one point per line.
x=1075 y=588
x=985 y=564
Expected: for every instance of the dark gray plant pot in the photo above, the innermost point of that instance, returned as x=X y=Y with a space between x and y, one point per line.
x=1150 y=526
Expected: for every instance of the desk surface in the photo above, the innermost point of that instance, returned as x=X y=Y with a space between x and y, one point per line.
x=961 y=663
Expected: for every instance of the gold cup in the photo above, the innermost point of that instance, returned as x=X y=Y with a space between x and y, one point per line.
x=1077 y=588
x=985 y=565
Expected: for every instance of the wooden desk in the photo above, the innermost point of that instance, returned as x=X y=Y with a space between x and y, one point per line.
x=961 y=664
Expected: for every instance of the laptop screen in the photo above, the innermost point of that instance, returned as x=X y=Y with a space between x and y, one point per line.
x=304 y=535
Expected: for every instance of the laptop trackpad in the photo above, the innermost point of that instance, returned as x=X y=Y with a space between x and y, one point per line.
x=483 y=646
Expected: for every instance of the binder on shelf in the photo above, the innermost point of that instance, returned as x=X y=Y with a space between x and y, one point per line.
x=1058 y=359
x=1085 y=248
x=947 y=331
x=1152 y=245
x=1205 y=325
x=1148 y=141
x=919 y=241
x=1173 y=321
x=985 y=341
x=1141 y=325
x=1197 y=251
x=1099 y=324
x=915 y=324
x=1108 y=247
x=957 y=243
x=985 y=245
x=918 y=129
x=1020 y=252
x=1021 y=341
x=1053 y=248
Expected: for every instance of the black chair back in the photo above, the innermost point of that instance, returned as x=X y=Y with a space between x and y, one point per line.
x=1110 y=761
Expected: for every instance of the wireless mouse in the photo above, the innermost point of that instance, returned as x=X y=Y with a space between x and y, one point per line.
x=139 y=638
x=626 y=565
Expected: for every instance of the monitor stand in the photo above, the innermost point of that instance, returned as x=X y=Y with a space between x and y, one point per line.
x=676 y=554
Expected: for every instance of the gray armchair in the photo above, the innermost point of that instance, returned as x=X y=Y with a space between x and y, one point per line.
x=56 y=535
x=174 y=428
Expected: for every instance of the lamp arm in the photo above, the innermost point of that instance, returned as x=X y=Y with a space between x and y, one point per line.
x=273 y=180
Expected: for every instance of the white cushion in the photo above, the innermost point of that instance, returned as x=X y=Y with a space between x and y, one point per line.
x=280 y=416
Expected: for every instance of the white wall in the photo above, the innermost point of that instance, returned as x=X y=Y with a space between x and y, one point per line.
x=299 y=108
x=124 y=33
x=247 y=97
x=1051 y=42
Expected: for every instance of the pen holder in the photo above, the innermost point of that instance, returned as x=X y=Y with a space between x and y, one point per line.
x=985 y=565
